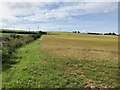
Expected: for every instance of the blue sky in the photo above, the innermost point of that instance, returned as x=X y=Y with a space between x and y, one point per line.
x=68 y=16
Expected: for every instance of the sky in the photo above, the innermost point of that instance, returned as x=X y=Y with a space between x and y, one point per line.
x=60 y=16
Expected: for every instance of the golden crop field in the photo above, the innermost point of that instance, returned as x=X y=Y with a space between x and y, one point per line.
x=82 y=46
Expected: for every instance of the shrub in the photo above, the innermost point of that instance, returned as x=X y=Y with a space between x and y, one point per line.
x=13 y=41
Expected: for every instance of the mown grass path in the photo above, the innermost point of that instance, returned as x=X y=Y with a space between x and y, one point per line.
x=32 y=67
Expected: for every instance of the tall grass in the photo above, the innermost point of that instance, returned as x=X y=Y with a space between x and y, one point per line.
x=13 y=41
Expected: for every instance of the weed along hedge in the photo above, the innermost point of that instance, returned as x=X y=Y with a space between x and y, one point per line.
x=14 y=41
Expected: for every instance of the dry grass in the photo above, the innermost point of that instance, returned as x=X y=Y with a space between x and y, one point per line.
x=82 y=46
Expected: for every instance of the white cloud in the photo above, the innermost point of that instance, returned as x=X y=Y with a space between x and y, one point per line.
x=59 y=1
x=89 y=8
x=71 y=10
x=11 y=10
x=17 y=13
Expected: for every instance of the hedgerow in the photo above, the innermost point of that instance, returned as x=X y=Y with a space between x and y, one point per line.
x=14 y=41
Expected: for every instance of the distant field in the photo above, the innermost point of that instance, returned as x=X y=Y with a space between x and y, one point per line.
x=82 y=45
x=64 y=60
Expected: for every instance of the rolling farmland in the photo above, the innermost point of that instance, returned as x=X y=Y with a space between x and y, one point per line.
x=64 y=60
x=56 y=44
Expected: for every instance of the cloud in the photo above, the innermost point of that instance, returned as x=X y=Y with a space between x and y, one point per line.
x=23 y=14
x=59 y=1
x=89 y=8
x=49 y=11
x=53 y=10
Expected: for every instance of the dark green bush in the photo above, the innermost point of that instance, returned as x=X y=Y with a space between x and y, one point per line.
x=11 y=43
x=36 y=36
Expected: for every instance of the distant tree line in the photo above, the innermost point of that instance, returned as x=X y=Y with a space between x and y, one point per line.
x=76 y=31
x=42 y=32
x=110 y=33
x=96 y=33
x=22 y=32
x=103 y=33
x=18 y=32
